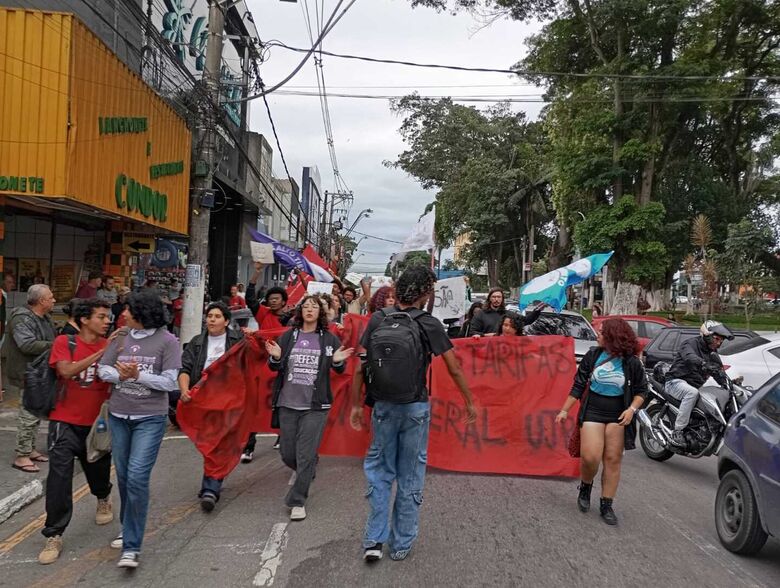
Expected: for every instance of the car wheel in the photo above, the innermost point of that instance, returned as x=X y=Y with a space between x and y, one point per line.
x=652 y=448
x=736 y=515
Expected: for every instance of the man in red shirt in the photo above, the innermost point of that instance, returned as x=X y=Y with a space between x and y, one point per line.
x=236 y=301
x=268 y=315
x=90 y=287
x=75 y=357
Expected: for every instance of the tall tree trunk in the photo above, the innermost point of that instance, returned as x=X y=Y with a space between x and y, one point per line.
x=617 y=141
x=626 y=297
x=648 y=172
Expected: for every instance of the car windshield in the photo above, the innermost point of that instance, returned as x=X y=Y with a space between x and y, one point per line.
x=561 y=324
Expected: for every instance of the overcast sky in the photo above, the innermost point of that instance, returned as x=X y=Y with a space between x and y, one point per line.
x=365 y=131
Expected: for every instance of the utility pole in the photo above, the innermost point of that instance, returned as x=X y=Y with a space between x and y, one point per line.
x=201 y=199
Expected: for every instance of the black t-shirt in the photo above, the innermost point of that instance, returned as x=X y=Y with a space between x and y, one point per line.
x=434 y=339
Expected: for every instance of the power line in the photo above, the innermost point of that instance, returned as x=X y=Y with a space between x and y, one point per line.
x=377 y=238
x=531 y=73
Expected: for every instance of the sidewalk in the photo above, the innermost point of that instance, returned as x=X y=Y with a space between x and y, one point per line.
x=17 y=489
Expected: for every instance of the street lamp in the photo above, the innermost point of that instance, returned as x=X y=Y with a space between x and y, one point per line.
x=363 y=213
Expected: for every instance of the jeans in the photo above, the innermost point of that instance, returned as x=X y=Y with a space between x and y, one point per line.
x=134 y=445
x=210 y=485
x=398 y=452
x=301 y=432
x=687 y=395
x=66 y=443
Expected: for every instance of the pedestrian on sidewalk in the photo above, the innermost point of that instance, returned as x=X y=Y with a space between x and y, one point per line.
x=144 y=367
x=199 y=354
x=303 y=358
x=75 y=357
x=617 y=386
x=29 y=333
x=399 y=343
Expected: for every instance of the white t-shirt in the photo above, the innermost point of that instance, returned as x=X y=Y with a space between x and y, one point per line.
x=216 y=348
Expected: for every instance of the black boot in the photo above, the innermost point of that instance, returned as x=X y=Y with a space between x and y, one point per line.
x=583 y=500
x=607 y=513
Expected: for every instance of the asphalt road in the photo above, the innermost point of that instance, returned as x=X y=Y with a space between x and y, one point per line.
x=475 y=531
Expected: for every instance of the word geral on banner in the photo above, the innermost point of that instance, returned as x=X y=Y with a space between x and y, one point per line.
x=518 y=383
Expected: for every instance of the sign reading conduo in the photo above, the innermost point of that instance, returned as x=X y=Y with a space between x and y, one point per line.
x=117 y=148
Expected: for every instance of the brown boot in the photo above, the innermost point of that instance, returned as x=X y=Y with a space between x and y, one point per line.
x=105 y=512
x=51 y=552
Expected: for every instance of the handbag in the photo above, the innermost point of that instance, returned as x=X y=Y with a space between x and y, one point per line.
x=574 y=440
x=99 y=437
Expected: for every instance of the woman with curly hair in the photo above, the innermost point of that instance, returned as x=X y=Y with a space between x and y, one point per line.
x=303 y=358
x=143 y=366
x=512 y=324
x=617 y=388
x=382 y=298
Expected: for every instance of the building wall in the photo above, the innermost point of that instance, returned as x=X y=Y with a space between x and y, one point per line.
x=102 y=17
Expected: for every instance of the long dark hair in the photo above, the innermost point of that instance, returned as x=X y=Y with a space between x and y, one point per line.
x=472 y=310
x=322 y=320
x=502 y=308
x=517 y=322
x=147 y=308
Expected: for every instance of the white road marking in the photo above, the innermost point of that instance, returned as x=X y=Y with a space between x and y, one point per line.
x=718 y=554
x=271 y=557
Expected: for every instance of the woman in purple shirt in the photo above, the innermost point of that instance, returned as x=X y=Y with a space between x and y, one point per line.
x=304 y=356
x=143 y=366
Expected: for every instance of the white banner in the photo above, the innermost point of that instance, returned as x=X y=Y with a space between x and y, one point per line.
x=421 y=237
x=451 y=301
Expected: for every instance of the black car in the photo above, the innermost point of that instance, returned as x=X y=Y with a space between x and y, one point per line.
x=668 y=341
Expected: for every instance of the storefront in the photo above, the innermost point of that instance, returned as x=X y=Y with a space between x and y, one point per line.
x=94 y=166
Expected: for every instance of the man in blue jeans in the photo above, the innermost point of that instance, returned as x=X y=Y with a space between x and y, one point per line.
x=399 y=343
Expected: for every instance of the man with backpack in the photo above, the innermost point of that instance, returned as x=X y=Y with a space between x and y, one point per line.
x=75 y=358
x=398 y=343
x=29 y=333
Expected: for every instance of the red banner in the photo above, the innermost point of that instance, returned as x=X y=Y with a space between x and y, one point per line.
x=518 y=383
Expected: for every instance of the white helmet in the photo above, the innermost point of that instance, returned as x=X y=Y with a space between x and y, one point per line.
x=710 y=328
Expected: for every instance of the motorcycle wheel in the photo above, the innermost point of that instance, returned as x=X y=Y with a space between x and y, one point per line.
x=736 y=515
x=650 y=446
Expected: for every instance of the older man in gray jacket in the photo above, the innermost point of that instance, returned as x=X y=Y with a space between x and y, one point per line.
x=29 y=333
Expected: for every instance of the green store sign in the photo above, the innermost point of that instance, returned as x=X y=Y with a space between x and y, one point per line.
x=135 y=197
x=166 y=169
x=118 y=125
x=30 y=184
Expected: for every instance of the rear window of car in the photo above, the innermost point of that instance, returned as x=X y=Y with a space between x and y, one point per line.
x=669 y=341
x=652 y=329
x=769 y=405
x=741 y=343
x=775 y=352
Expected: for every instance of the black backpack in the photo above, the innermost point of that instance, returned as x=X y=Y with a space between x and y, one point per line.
x=396 y=358
x=42 y=389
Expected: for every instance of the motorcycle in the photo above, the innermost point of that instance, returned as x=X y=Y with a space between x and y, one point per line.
x=710 y=417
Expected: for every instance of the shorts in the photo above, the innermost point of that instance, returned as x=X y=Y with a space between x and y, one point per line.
x=603 y=409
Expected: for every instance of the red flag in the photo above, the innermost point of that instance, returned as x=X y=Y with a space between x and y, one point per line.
x=518 y=383
x=311 y=255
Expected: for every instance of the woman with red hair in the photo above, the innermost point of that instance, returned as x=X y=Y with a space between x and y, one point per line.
x=617 y=388
x=382 y=298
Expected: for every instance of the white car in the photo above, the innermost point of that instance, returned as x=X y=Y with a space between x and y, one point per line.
x=756 y=359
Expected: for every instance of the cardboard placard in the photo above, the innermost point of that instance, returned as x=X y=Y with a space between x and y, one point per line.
x=353 y=278
x=262 y=252
x=319 y=288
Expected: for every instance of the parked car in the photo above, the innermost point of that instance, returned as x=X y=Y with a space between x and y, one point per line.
x=664 y=345
x=646 y=327
x=747 y=505
x=569 y=324
x=755 y=360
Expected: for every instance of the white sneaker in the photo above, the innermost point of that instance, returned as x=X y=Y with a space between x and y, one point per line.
x=298 y=513
x=116 y=542
x=129 y=559
x=247 y=456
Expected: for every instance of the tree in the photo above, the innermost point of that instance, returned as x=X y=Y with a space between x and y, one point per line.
x=741 y=262
x=489 y=172
x=407 y=260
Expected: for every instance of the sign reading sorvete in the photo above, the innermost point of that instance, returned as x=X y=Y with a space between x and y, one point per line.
x=138 y=242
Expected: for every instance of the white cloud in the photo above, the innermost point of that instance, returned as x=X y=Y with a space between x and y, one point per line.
x=365 y=131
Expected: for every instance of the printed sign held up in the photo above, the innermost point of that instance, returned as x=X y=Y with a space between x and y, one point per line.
x=262 y=252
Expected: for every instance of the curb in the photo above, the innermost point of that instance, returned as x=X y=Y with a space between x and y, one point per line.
x=27 y=494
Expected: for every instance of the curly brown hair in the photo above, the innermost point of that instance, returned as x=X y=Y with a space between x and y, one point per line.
x=619 y=339
x=377 y=301
x=322 y=319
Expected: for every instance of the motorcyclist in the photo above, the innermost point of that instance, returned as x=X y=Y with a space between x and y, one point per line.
x=693 y=364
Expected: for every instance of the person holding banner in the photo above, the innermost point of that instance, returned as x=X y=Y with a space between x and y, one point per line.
x=611 y=386
x=399 y=344
x=512 y=324
x=199 y=354
x=302 y=397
